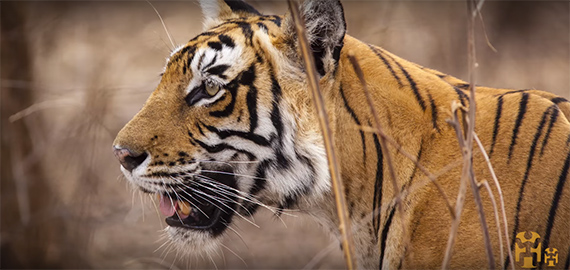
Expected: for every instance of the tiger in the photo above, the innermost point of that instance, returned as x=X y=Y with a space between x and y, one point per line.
x=231 y=128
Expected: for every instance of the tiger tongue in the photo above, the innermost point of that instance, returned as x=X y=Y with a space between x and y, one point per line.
x=167 y=206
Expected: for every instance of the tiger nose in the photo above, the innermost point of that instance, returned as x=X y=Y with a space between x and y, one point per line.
x=128 y=159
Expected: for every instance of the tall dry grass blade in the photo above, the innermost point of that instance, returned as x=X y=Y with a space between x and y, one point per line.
x=460 y=201
x=501 y=200
x=465 y=140
x=496 y=214
x=472 y=11
x=318 y=101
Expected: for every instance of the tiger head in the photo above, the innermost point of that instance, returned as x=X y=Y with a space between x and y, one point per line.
x=231 y=127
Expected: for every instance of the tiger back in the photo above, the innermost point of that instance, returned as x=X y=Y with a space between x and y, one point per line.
x=231 y=128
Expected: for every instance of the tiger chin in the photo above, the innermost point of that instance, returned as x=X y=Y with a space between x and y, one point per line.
x=231 y=129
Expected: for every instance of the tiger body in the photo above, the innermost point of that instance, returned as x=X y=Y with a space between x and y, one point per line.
x=237 y=94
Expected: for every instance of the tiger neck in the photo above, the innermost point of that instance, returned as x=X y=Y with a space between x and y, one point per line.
x=411 y=102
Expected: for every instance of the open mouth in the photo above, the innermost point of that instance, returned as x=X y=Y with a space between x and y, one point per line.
x=205 y=203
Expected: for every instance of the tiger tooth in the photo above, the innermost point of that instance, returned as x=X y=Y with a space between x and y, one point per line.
x=184 y=207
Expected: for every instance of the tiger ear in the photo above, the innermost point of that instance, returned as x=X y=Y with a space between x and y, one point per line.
x=217 y=11
x=326 y=27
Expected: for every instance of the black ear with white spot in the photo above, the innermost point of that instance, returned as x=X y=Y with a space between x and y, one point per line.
x=217 y=11
x=326 y=27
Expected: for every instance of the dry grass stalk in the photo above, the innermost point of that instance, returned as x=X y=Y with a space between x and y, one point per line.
x=485 y=183
x=501 y=200
x=318 y=101
x=472 y=11
x=465 y=140
x=462 y=190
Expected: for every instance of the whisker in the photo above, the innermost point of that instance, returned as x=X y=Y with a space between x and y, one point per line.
x=223 y=193
x=238 y=235
x=193 y=205
x=176 y=212
x=163 y=244
x=235 y=174
x=223 y=204
x=248 y=197
x=215 y=265
x=155 y=208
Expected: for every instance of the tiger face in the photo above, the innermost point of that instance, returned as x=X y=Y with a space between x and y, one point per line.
x=222 y=134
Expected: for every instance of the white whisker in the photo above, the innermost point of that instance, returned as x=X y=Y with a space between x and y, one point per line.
x=235 y=174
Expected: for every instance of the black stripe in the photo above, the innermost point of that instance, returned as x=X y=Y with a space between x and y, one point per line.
x=275 y=112
x=186 y=52
x=525 y=177
x=204 y=34
x=377 y=52
x=263 y=27
x=223 y=134
x=251 y=101
x=355 y=118
x=275 y=19
x=433 y=112
x=187 y=49
x=218 y=70
x=522 y=110
x=226 y=40
x=556 y=202
x=248 y=76
x=462 y=96
x=223 y=146
x=553 y=118
x=246 y=29
x=217 y=46
x=558 y=100
x=414 y=87
x=377 y=202
x=385 y=231
x=497 y=122
x=219 y=147
x=198 y=126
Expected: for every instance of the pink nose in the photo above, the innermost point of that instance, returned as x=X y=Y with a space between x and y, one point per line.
x=128 y=159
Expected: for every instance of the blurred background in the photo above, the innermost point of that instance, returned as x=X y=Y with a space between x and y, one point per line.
x=74 y=72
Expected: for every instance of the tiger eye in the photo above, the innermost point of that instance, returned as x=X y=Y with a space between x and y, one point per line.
x=212 y=89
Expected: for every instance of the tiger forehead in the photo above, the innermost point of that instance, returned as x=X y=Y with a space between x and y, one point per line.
x=228 y=33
